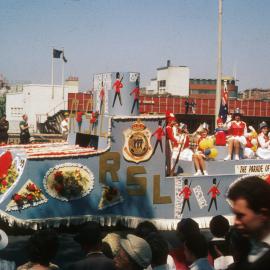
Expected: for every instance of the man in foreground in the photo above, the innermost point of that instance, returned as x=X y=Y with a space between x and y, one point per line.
x=250 y=198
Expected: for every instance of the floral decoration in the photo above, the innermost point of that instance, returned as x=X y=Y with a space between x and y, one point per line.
x=110 y=197
x=7 y=180
x=68 y=181
x=69 y=184
x=29 y=195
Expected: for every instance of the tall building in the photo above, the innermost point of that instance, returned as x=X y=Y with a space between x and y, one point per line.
x=170 y=79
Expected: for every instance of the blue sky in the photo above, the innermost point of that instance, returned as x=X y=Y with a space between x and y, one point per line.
x=134 y=35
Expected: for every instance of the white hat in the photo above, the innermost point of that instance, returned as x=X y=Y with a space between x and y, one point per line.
x=3 y=239
x=138 y=249
x=113 y=240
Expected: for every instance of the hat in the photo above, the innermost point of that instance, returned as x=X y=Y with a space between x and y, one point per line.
x=204 y=126
x=237 y=111
x=170 y=116
x=262 y=125
x=138 y=249
x=3 y=239
x=182 y=126
x=113 y=240
x=89 y=234
x=219 y=120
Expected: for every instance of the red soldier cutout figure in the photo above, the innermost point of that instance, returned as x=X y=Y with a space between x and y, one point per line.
x=159 y=133
x=101 y=96
x=136 y=93
x=214 y=193
x=93 y=119
x=117 y=86
x=79 y=120
x=186 y=191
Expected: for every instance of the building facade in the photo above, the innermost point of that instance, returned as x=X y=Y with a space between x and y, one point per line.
x=38 y=101
x=170 y=79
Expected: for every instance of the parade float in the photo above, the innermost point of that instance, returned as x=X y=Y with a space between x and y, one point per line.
x=109 y=170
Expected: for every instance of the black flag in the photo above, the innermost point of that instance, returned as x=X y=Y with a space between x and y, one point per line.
x=64 y=58
x=57 y=53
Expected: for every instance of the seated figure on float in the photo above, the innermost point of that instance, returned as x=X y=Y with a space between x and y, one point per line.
x=237 y=130
x=202 y=150
x=181 y=150
x=252 y=143
x=220 y=133
x=263 y=150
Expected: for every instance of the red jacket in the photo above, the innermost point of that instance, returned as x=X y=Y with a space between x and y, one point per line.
x=136 y=92
x=214 y=190
x=159 y=133
x=117 y=85
x=170 y=135
x=186 y=191
x=79 y=117
x=220 y=137
x=237 y=129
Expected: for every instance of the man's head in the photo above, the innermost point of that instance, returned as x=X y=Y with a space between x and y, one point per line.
x=25 y=117
x=134 y=253
x=219 y=226
x=89 y=236
x=195 y=247
x=186 y=227
x=251 y=206
x=159 y=248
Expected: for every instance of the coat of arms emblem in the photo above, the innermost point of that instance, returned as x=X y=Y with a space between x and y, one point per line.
x=137 y=146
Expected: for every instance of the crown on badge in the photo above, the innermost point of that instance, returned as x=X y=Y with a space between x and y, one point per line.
x=138 y=125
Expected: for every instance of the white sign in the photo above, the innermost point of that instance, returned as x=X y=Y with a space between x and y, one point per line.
x=252 y=169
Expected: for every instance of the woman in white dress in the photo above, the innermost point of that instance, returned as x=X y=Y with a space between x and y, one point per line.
x=263 y=150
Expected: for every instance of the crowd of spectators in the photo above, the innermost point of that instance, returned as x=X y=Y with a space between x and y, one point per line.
x=243 y=246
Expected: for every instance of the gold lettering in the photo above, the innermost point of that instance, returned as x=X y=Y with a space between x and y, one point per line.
x=112 y=167
x=139 y=182
x=157 y=198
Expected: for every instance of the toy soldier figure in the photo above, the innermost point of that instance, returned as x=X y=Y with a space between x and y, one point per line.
x=136 y=93
x=214 y=193
x=186 y=191
x=159 y=133
x=101 y=96
x=117 y=86
x=4 y=126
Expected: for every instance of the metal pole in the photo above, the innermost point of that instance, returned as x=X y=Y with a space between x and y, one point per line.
x=219 y=65
x=52 y=76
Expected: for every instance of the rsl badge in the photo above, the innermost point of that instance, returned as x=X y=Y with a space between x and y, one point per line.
x=137 y=146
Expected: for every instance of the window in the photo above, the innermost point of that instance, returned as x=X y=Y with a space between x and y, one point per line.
x=162 y=83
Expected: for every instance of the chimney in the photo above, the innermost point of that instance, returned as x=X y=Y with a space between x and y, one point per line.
x=168 y=63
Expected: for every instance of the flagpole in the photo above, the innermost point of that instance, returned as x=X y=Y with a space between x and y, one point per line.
x=52 y=77
x=219 y=65
x=63 y=72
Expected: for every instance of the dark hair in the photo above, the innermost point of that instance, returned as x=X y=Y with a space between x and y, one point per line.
x=186 y=227
x=197 y=245
x=159 y=248
x=145 y=228
x=185 y=181
x=107 y=250
x=219 y=226
x=254 y=190
x=42 y=247
x=89 y=234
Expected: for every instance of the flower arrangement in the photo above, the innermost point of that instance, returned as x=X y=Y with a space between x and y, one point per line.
x=7 y=180
x=69 y=184
x=30 y=195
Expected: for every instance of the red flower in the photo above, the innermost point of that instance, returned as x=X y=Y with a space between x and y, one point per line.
x=29 y=197
x=17 y=198
x=59 y=188
x=32 y=187
x=4 y=182
x=58 y=176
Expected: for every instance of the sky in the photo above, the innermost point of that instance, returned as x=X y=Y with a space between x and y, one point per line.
x=134 y=35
